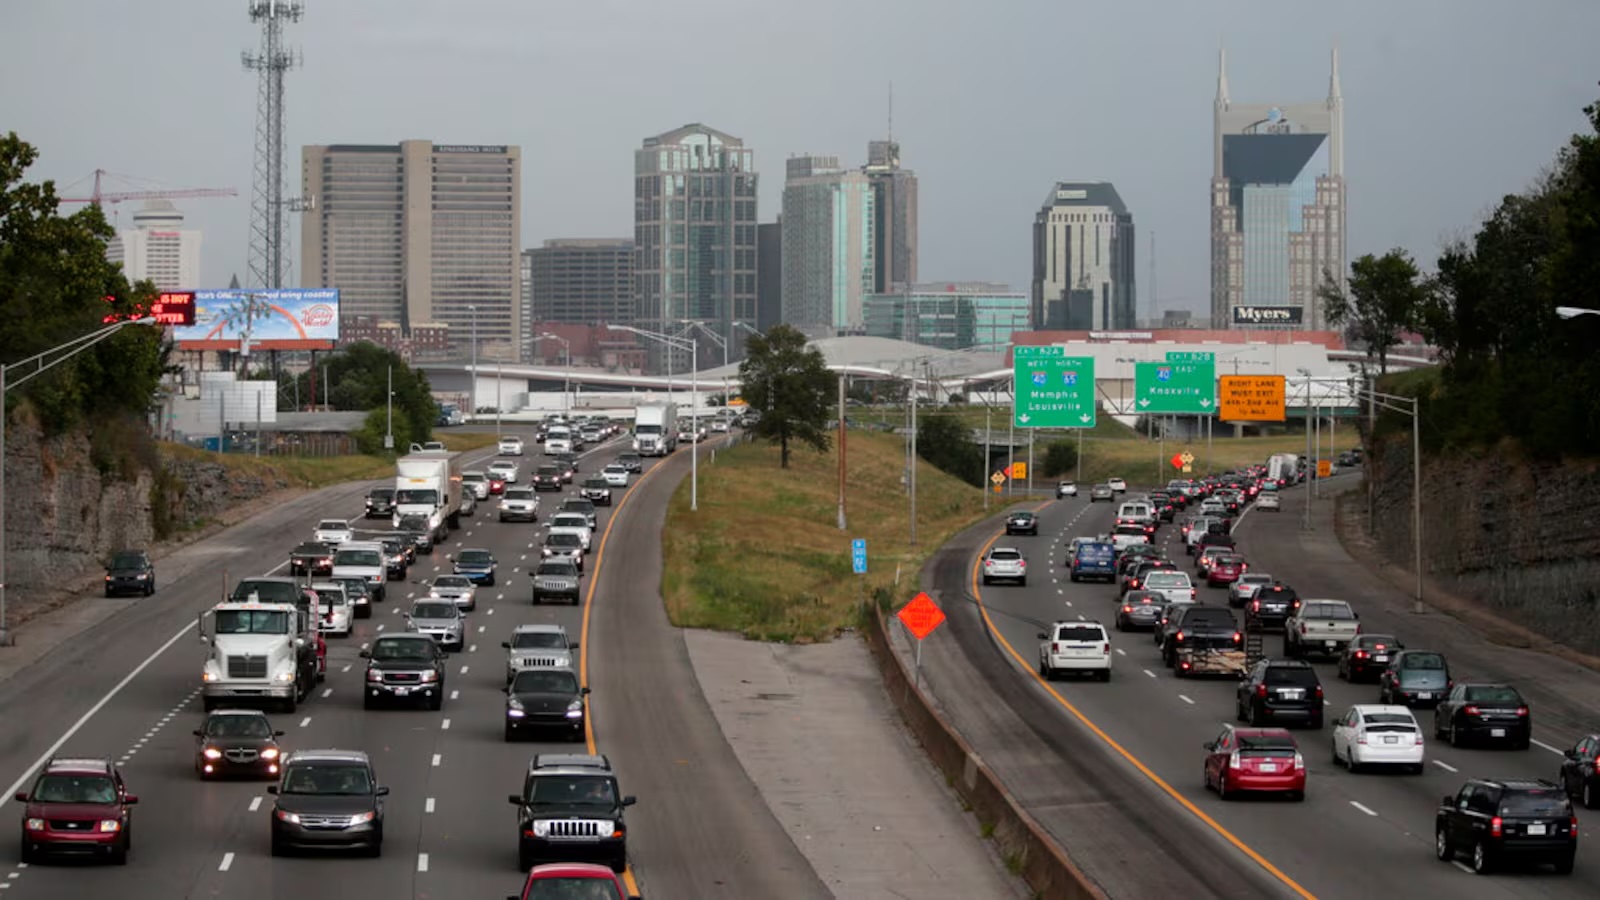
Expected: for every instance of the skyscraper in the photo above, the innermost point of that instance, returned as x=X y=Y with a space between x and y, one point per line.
x=694 y=225
x=159 y=248
x=894 y=197
x=769 y=274
x=582 y=281
x=829 y=248
x=1084 y=251
x=1277 y=207
x=420 y=234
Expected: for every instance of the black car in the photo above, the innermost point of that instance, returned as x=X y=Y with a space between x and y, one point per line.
x=632 y=462
x=1022 y=523
x=596 y=491
x=405 y=668
x=311 y=558
x=566 y=801
x=1272 y=605
x=130 y=572
x=1494 y=822
x=359 y=591
x=1580 y=771
x=328 y=800
x=547 y=478
x=380 y=503
x=1280 y=690
x=394 y=558
x=1487 y=712
x=236 y=742
x=1367 y=655
x=1201 y=626
x=545 y=699
x=418 y=531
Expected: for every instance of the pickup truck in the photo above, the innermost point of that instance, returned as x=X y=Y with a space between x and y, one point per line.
x=1320 y=626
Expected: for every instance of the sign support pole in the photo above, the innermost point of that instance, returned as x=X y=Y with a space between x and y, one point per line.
x=1011 y=445
x=1080 y=457
x=1030 y=464
x=987 y=416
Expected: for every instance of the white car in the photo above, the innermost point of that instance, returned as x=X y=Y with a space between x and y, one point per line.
x=1268 y=501
x=1126 y=536
x=519 y=503
x=616 y=475
x=334 y=606
x=505 y=469
x=1117 y=484
x=574 y=522
x=1175 y=587
x=511 y=445
x=1075 y=647
x=691 y=436
x=1378 y=735
x=1244 y=588
x=1005 y=564
x=458 y=589
x=719 y=426
x=477 y=482
x=333 y=531
x=1067 y=489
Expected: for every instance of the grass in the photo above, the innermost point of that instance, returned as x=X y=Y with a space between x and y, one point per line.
x=975 y=415
x=317 y=471
x=1146 y=462
x=764 y=556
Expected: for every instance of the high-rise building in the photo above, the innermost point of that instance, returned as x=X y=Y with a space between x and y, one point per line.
x=694 y=224
x=1277 y=207
x=158 y=248
x=582 y=281
x=948 y=315
x=419 y=233
x=769 y=274
x=1083 y=260
x=895 y=216
x=829 y=250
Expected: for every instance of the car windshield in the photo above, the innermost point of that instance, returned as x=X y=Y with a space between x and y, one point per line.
x=1256 y=579
x=1389 y=722
x=1266 y=742
x=472 y=477
x=452 y=581
x=382 y=494
x=475 y=557
x=1422 y=661
x=265 y=592
x=570 y=520
x=575 y=790
x=1095 y=551
x=548 y=471
x=403 y=648
x=538 y=640
x=251 y=621
x=572 y=888
x=1160 y=579
x=127 y=561
x=344 y=780
x=1022 y=516
x=1230 y=560
x=560 y=568
x=563 y=539
x=520 y=494
x=433 y=611
x=332 y=525
x=1493 y=693
x=534 y=681
x=235 y=726
x=1327 y=611
x=615 y=469
x=330 y=597
x=353 y=585
x=358 y=558
x=583 y=507
x=1529 y=803
x=417 y=497
x=75 y=789
x=1377 y=641
x=312 y=548
x=595 y=483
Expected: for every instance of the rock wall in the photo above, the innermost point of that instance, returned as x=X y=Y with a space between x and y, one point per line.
x=1519 y=538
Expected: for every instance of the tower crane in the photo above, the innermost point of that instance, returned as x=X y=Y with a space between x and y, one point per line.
x=100 y=198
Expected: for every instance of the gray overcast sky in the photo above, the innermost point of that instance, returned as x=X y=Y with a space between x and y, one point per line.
x=1448 y=103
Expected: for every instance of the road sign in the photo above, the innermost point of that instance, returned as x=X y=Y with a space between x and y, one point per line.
x=1052 y=390
x=1324 y=468
x=1181 y=386
x=858 y=555
x=1019 y=471
x=1251 y=398
x=1187 y=459
x=921 y=616
x=1176 y=460
x=997 y=479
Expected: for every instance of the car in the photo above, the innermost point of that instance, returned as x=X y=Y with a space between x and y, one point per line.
x=1269 y=502
x=359 y=590
x=548 y=699
x=1497 y=821
x=327 y=800
x=1225 y=569
x=395 y=558
x=1075 y=647
x=497 y=485
x=633 y=462
x=333 y=531
x=1066 y=489
x=557 y=579
x=1117 y=485
x=311 y=558
x=404 y=668
x=334 y=609
x=363 y=559
x=130 y=572
x=1253 y=760
x=434 y=447
x=571 y=809
x=476 y=482
x=1219 y=538
x=575 y=522
x=77 y=806
x=1271 y=606
x=380 y=503
x=538 y=646
x=510 y=445
x=476 y=564
x=1094 y=559
x=1280 y=690
x=568 y=464
x=1125 y=536
x=1005 y=564
x=1580 y=771
x=1022 y=522
x=1170 y=585
x=1378 y=735
x=587 y=880
x=1134 y=567
x=616 y=475
x=547 y=477
x=1139 y=610
x=563 y=545
x=1367 y=655
x=597 y=490
x=457 y=589
x=1197 y=626
x=505 y=470
x=415 y=529
x=1102 y=492
x=1484 y=711
x=519 y=504
x=469 y=504
x=1245 y=586
x=581 y=505
x=1415 y=678
x=1167 y=624
x=1325 y=626
x=236 y=742
x=440 y=620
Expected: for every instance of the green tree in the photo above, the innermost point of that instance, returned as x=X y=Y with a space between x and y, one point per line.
x=1386 y=296
x=357 y=378
x=947 y=445
x=789 y=383
x=1060 y=459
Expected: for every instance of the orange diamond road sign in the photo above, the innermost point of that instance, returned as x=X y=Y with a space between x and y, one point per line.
x=1251 y=398
x=921 y=616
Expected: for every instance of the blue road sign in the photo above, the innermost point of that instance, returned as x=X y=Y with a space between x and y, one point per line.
x=858 y=555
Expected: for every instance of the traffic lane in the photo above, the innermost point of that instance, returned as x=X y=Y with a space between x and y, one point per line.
x=701 y=828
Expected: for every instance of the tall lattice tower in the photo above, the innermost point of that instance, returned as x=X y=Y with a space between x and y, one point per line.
x=268 y=236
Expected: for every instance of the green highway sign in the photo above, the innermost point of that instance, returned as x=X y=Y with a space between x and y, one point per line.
x=1052 y=390
x=1186 y=384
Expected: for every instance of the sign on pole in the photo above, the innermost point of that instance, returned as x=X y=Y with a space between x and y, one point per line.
x=858 y=555
x=1019 y=471
x=1251 y=398
x=1186 y=384
x=1324 y=468
x=1052 y=390
x=921 y=616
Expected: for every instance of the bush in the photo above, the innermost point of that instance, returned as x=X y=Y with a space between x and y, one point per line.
x=1060 y=459
x=947 y=444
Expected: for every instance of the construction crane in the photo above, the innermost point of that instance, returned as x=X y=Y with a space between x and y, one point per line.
x=100 y=198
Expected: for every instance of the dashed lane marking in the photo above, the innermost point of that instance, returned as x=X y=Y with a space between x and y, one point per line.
x=306 y=721
x=1150 y=673
x=437 y=758
x=444 y=725
x=1364 y=809
x=1185 y=699
x=255 y=803
x=1446 y=766
x=465 y=669
x=422 y=862
x=326 y=693
x=226 y=864
x=1556 y=750
x=454 y=694
x=427 y=805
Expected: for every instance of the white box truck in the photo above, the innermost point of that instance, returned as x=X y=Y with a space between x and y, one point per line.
x=428 y=483
x=1281 y=467
x=655 y=429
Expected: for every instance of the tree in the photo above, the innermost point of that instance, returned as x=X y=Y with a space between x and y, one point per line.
x=947 y=445
x=790 y=385
x=1387 y=296
x=358 y=377
x=1060 y=459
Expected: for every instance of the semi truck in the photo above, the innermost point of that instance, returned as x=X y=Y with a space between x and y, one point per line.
x=655 y=429
x=1282 y=467
x=261 y=650
x=428 y=483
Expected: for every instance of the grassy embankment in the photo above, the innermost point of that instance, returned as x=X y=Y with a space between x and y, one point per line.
x=318 y=471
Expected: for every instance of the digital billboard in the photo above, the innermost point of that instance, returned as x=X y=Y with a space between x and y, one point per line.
x=169 y=308
x=282 y=319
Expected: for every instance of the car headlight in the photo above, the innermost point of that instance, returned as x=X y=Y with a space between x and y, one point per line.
x=270 y=753
x=110 y=825
x=606 y=828
x=434 y=595
x=541 y=829
x=211 y=753
x=286 y=816
x=430 y=675
x=575 y=709
x=207 y=675
x=514 y=703
x=563 y=662
x=374 y=675
x=362 y=818
x=286 y=677
x=34 y=824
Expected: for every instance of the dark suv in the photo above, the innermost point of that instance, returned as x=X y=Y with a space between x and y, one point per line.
x=545 y=699
x=1280 y=690
x=1496 y=821
x=571 y=810
x=404 y=668
x=130 y=572
x=77 y=805
x=328 y=800
x=380 y=503
x=1272 y=604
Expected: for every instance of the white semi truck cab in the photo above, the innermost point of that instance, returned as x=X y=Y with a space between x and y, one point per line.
x=655 y=429
x=258 y=652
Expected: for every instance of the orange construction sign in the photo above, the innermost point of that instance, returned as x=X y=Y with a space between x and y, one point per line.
x=1251 y=398
x=921 y=616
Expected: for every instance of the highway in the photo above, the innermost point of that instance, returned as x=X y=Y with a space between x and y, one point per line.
x=449 y=832
x=1355 y=835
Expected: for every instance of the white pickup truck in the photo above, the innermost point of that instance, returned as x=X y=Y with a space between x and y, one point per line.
x=1320 y=626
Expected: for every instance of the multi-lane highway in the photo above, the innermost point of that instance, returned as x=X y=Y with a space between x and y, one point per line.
x=1355 y=835
x=128 y=689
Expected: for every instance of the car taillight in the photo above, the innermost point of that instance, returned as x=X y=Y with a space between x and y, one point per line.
x=1361 y=736
x=1133 y=584
x=988 y=564
x=1361 y=654
x=1022 y=564
x=1299 y=761
x=1191 y=593
x=1055 y=647
x=1127 y=608
x=1302 y=628
x=1296 y=604
x=1179 y=636
x=1522 y=710
x=1261 y=691
x=1470 y=710
x=1496 y=827
x=1233 y=760
x=1319 y=692
x=1237 y=637
x=1106 y=649
x=1255 y=606
x=1574 y=826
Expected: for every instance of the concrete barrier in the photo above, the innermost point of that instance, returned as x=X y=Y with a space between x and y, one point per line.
x=1027 y=849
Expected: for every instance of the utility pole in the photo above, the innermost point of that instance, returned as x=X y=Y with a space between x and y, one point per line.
x=1306 y=520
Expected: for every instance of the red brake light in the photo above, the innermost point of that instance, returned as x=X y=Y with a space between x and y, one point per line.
x=1470 y=710
x=1319 y=692
x=1055 y=647
x=1133 y=583
x=1179 y=636
x=1496 y=827
x=1261 y=690
x=1522 y=710
x=1574 y=826
x=1127 y=608
x=1361 y=654
x=1255 y=606
x=1106 y=649
x=1237 y=637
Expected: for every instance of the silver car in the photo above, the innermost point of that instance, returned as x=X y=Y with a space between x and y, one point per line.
x=1245 y=586
x=1005 y=564
x=520 y=503
x=457 y=589
x=439 y=619
x=563 y=545
x=1102 y=492
x=477 y=481
x=505 y=469
x=543 y=646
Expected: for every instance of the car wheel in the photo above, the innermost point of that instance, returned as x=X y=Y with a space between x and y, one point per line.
x=149 y=589
x=1333 y=747
x=1588 y=795
x=119 y=855
x=1481 y=863
x=26 y=853
x=1074 y=577
x=437 y=702
x=1350 y=764
x=369 y=702
x=375 y=849
x=1105 y=675
x=1022 y=582
x=1222 y=787
x=525 y=860
x=1316 y=724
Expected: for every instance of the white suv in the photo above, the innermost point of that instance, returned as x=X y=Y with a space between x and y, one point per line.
x=1005 y=564
x=1075 y=647
x=510 y=445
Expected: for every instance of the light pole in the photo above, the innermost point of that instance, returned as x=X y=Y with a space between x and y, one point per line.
x=693 y=346
x=1392 y=403
x=38 y=361
x=474 y=310
x=566 y=358
x=388 y=428
x=1305 y=522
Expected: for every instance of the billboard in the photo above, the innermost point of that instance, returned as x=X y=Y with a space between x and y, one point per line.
x=282 y=319
x=1267 y=315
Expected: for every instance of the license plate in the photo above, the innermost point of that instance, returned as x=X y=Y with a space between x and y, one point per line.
x=402 y=691
x=1380 y=658
x=1272 y=767
x=1292 y=694
x=1536 y=829
x=1391 y=740
x=1331 y=644
x=1497 y=732
x=1424 y=695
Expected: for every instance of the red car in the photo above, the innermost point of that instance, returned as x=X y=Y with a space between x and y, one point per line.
x=497 y=485
x=558 y=881
x=1225 y=570
x=77 y=806
x=1255 y=759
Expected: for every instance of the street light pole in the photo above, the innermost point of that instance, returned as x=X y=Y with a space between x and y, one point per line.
x=474 y=310
x=388 y=429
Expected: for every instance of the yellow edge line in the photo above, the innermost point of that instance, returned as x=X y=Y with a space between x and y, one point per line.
x=1159 y=782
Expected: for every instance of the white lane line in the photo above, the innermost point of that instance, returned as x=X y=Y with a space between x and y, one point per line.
x=480 y=629
x=1363 y=809
x=1121 y=652
x=490 y=612
x=474 y=647
x=1556 y=750
x=499 y=596
x=226 y=864
x=1185 y=699
x=380 y=627
x=427 y=805
x=396 y=610
x=523 y=556
x=454 y=694
x=255 y=803
x=1150 y=673
x=1446 y=766
x=84 y=719
x=422 y=862
x=444 y=725
x=326 y=693
x=1069 y=602
x=1462 y=866
x=437 y=758
x=306 y=721
x=1081 y=618
x=345 y=669
x=464 y=669
x=1061 y=590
